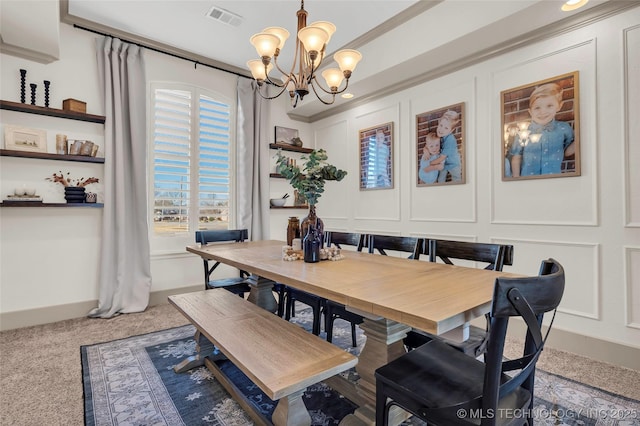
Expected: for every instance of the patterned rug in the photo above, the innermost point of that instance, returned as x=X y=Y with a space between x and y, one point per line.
x=131 y=382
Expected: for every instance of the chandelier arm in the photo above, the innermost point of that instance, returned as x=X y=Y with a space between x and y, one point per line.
x=274 y=83
x=337 y=92
x=333 y=96
x=271 y=97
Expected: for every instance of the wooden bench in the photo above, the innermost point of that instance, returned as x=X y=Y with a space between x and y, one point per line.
x=281 y=358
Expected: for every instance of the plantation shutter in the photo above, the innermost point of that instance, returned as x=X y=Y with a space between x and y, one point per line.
x=191 y=162
x=214 y=162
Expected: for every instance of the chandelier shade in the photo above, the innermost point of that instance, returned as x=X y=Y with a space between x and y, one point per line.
x=311 y=44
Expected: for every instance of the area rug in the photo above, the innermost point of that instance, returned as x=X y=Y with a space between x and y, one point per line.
x=131 y=382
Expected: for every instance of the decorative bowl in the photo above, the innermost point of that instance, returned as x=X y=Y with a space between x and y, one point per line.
x=278 y=202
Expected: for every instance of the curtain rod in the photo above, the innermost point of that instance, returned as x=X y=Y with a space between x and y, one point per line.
x=195 y=62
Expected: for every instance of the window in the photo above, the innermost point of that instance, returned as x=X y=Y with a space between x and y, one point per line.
x=191 y=161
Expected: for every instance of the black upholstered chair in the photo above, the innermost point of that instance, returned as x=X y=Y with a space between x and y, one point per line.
x=334 y=310
x=237 y=285
x=443 y=386
x=494 y=256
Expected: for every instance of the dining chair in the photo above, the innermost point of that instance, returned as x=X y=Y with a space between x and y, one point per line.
x=237 y=285
x=392 y=243
x=334 y=310
x=494 y=256
x=442 y=386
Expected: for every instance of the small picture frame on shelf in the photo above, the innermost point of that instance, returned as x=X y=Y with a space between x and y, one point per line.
x=18 y=138
x=285 y=135
x=298 y=199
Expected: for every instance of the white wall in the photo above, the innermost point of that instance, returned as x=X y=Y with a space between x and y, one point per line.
x=49 y=256
x=589 y=223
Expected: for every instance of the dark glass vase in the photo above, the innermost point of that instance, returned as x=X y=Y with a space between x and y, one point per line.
x=74 y=194
x=311 y=245
x=312 y=219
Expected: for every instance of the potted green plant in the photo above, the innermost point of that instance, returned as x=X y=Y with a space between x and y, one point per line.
x=309 y=181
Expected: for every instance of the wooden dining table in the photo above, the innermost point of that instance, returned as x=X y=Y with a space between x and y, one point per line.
x=393 y=294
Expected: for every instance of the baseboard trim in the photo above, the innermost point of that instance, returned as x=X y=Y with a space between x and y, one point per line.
x=590 y=347
x=49 y=314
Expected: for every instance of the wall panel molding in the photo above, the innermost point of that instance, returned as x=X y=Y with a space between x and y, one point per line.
x=632 y=286
x=631 y=96
x=382 y=204
x=437 y=203
x=583 y=286
x=552 y=192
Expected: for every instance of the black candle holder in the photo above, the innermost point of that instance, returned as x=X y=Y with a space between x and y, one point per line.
x=46 y=93
x=23 y=75
x=33 y=93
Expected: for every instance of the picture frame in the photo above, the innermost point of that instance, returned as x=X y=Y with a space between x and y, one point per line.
x=18 y=138
x=440 y=146
x=298 y=199
x=376 y=157
x=285 y=135
x=534 y=144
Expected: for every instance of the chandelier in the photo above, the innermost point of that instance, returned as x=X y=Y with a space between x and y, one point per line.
x=311 y=44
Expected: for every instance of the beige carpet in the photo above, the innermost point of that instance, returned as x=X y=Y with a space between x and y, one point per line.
x=41 y=382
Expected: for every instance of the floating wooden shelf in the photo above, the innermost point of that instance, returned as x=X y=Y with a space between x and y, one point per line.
x=51 y=112
x=36 y=204
x=49 y=156
x=292 y=148
x=290 y=207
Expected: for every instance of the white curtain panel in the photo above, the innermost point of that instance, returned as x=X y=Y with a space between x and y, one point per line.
x=125 y=267
x=252 y=161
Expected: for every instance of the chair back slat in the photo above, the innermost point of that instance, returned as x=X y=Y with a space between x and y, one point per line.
x=221 y=235
x=494 y=255
x=384 y=243
x=340 y=239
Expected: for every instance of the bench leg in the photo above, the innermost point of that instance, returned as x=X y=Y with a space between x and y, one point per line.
x=204 y=348
x=291 y=411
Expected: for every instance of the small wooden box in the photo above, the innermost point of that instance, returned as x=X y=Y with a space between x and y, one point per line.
x=74 y=105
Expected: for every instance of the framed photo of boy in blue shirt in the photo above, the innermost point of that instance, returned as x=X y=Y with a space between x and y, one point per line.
x=540 y=129
x=440 y=146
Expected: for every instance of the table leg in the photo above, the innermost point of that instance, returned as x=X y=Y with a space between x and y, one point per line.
x=383 y=345
x=291 y=411
x=262 y=293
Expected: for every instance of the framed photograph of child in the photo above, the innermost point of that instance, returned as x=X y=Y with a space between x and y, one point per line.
x=376 y=157
x=440 y=146
x=540 y=129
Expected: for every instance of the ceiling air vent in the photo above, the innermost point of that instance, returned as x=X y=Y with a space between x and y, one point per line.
x=224 y=16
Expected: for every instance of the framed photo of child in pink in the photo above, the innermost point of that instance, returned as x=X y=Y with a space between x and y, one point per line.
x=440 y=146
x=540 y=129
x=376 y=157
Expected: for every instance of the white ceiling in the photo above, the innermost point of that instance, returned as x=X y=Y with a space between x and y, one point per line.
x=402 y=41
